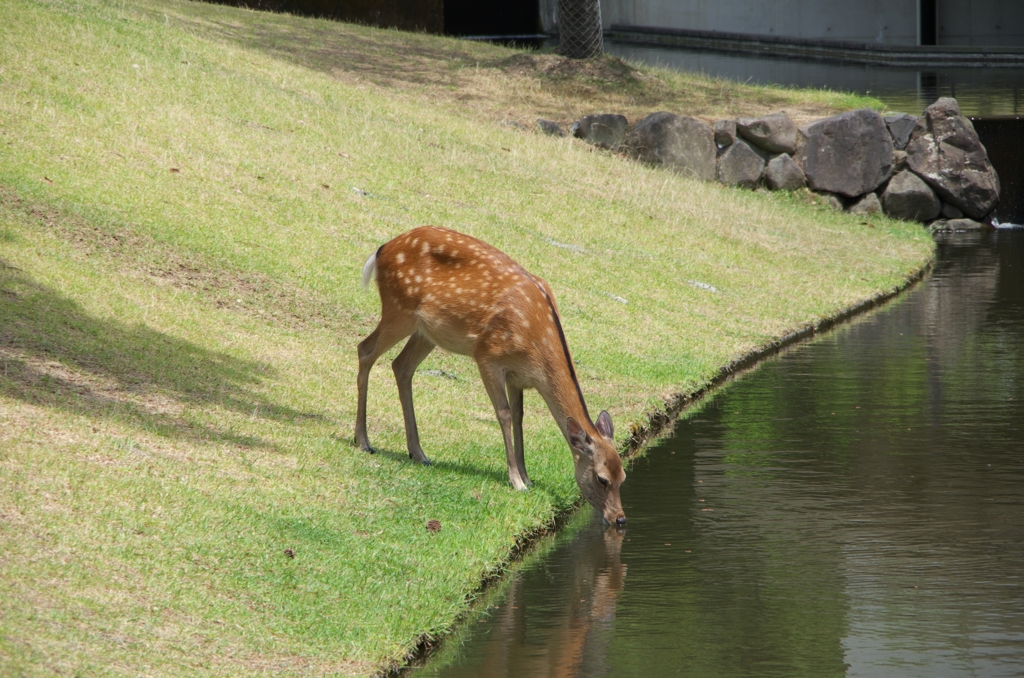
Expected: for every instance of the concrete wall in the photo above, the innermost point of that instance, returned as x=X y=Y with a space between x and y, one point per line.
x=981 y=23
x=884 y=21
x=890 y=22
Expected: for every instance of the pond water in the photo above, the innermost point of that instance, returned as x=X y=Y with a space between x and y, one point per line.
x=852 y=507
x=985 y=92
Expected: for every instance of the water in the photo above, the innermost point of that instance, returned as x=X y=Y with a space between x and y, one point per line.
x=852 y=507
x=981 y=92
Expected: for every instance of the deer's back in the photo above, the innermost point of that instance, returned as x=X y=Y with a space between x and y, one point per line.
x=467 y=296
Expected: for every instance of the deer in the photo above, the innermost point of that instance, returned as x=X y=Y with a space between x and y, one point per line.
x=440 y=287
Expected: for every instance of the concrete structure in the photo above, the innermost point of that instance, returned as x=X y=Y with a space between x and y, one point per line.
x=985 y=23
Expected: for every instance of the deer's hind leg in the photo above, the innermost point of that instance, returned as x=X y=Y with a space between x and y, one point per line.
x=392 y=328
x=418 y=348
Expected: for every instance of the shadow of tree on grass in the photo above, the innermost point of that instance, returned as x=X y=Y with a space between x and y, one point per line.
x=54 y=353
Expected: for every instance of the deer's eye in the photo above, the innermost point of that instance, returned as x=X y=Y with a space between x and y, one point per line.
x=603 y=480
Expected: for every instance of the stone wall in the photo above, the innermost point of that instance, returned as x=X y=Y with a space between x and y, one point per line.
x=932 y=169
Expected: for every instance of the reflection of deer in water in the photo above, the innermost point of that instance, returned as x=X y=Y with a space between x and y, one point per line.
x=570 y=638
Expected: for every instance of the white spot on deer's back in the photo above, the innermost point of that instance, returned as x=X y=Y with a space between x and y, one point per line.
x=400 y=257
x=419 y=278
x=426 y=247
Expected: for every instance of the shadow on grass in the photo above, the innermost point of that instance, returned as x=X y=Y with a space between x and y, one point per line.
x=382 y=57
x=54 y=353
x=399 y=59
x=499 y=477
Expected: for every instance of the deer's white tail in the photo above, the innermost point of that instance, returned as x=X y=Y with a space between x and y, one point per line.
x=369 y=268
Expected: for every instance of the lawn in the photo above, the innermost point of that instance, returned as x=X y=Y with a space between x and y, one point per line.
x=187 y=196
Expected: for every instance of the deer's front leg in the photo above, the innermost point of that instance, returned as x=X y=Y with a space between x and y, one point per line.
x=515 y=401
x=404 y=366
x=494 y=383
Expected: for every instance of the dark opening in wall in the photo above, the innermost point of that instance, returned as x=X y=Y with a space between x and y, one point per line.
x=1004 y=139
x=509 y=17
x=929 y=25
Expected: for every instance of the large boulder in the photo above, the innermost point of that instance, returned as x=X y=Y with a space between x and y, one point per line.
x=685 y=145
x=783 y=174
x=849 y=154
x=604 y=130
x=774 y=133
x=900 y=126
x=741 y=165
x=908 y=197
x=945 y=151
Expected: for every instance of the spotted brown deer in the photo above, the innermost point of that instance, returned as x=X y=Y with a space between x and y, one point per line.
x=447 y=289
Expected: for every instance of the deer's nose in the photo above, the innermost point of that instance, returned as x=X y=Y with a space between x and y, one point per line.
x=620 y=521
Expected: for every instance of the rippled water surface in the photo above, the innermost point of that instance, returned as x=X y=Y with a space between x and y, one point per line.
x=853 y=507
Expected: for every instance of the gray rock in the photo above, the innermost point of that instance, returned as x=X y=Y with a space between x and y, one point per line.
x=783 y=174
x=849 y=154
x=899 y=161
x=741 y=165
x=900 y=126
x=774 y=133
x=866 y=205
x=685 y=145
x=945 y=151
x=950 y=212
x=604 y=130
x=908 y=197
x=550 y=127
x=725 y=133
x=956 y=225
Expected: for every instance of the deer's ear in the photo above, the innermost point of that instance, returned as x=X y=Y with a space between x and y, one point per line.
x=579 y=440
x=604 y=425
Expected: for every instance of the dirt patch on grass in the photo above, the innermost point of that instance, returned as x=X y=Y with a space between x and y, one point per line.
x=498 y=83
x=137 y=254
x=603 y=72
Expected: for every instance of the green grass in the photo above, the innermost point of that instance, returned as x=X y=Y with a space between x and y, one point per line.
x=180 y=247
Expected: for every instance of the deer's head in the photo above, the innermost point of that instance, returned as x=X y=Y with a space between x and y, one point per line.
x=599 y=470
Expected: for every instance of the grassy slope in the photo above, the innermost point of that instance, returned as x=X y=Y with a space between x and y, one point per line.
x=180 y=246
